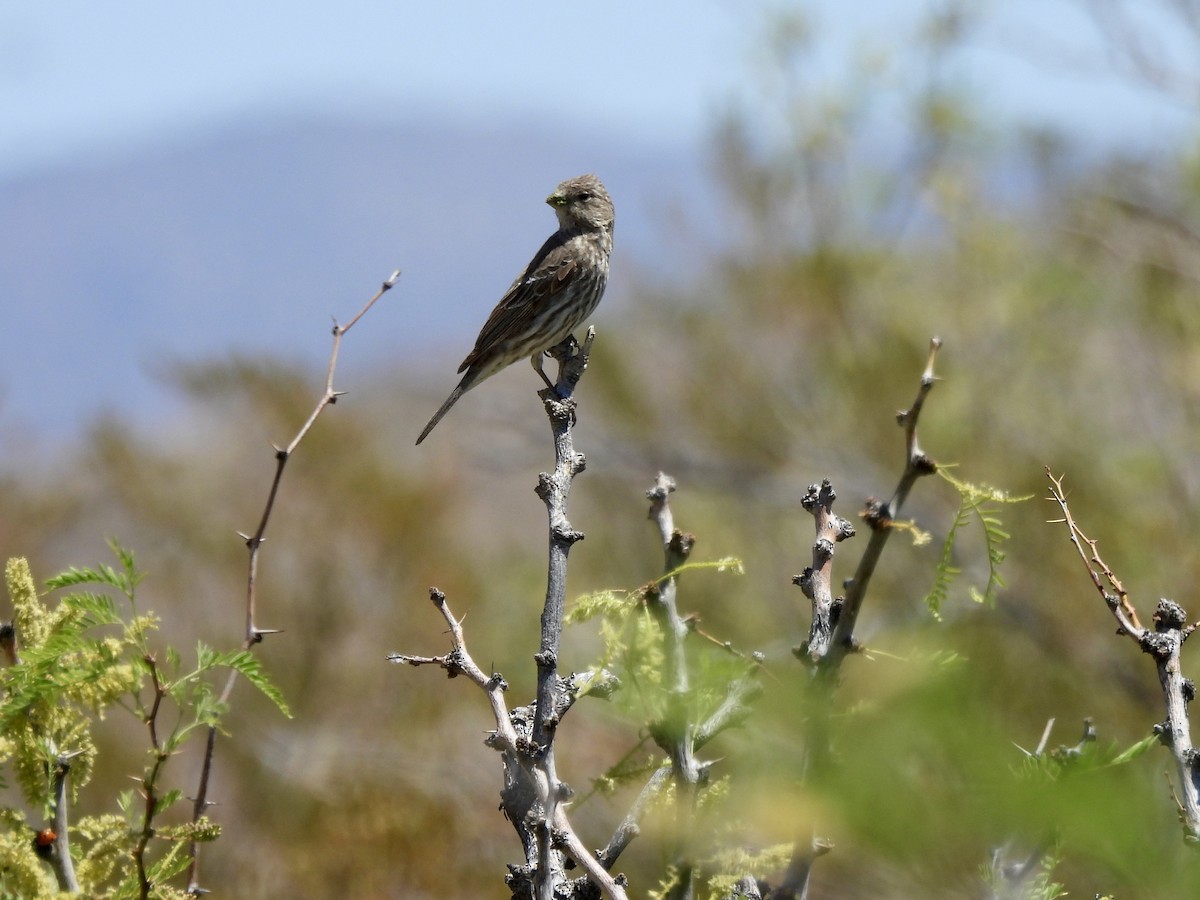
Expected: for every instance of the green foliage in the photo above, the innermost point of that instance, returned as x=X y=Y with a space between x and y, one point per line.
x=22 y=874
x=77 y=661
x=1084 y=758
x=669 y=883
x=633 y=647
x=979 y=503
x=1041 y=886
x=735 y=864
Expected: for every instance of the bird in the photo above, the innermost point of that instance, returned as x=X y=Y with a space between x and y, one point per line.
x=553 y=296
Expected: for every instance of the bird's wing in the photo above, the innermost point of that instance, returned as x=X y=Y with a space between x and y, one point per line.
x=550 y=270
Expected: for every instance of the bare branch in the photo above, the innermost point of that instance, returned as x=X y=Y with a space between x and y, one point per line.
x=880 y=516
x=533 y=797
x=254 y=542
x=831 y=634
x=1097 y=569
x=1163 y=643
x=816 y=580
x=459 y=662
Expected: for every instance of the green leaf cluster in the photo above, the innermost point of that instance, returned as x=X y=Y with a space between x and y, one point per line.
x=74 y=662
x=978 y=503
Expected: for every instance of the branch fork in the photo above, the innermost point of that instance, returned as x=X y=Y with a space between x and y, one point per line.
x=1163 y=643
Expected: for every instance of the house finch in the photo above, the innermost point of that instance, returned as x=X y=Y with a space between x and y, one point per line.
x=553 y=296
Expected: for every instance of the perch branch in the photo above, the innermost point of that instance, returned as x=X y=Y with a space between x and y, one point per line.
x=533 y=796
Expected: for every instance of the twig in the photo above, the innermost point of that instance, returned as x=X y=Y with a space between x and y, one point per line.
x=630 y=826
x=880 y=516
x=816 y=581
x=554 y=489
x=1097 y=569
x=734 y=710
x=254 y=542
x=459 y=662
x=150 y=780
x=514 y=746
x=1041 y=745
x=831 y=634
x=1163 y=643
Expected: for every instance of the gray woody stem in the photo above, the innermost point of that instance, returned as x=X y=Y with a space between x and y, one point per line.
x=60 y=859
x=675 y=734
x=512 y=743
x=554 y=489
x=1163 y=643
x=532 y=794
x=830 y=640
x=831 y=634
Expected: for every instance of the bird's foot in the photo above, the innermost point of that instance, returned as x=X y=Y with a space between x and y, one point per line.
x=572 y=358
x=567 y=348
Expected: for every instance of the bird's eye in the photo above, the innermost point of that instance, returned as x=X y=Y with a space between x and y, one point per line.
x=584 y=196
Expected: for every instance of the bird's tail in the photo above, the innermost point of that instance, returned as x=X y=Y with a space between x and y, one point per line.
x=445 y=408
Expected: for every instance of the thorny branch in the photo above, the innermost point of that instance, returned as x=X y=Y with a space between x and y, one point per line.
x=675 y=732
x=1163 y=644
x=150 y=795
x=254 y=542
x=541 y=807
x=678 y=734
x=1117 y=600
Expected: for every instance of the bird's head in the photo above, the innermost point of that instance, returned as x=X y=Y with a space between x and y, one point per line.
x=582 y=202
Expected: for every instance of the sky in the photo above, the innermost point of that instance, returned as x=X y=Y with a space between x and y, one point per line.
x=85 y=83
x=75 y=75
x=80 y=78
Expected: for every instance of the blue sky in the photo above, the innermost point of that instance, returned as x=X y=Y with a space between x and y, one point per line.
x=80 y=78
x=83 y=81
x=75 y=75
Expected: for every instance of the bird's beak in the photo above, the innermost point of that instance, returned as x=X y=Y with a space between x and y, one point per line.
x=556 y=200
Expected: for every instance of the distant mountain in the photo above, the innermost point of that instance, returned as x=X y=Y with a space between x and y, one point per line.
x=251 y=237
